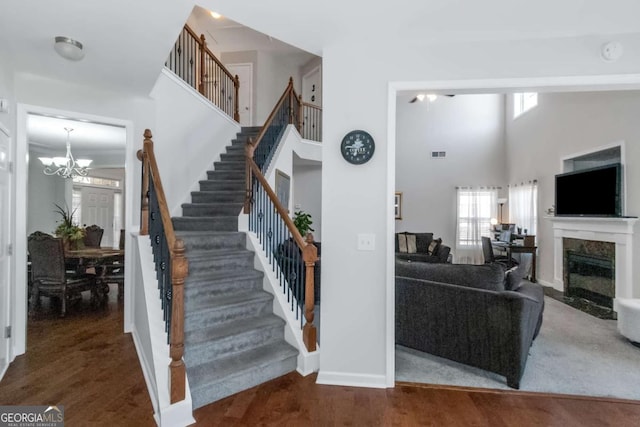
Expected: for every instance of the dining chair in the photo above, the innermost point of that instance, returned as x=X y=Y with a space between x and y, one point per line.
x=93 y=236
x=49 y=276
x=490 y=256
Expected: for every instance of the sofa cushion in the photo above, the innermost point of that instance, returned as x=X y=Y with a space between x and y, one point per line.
x=487 y=276
x=433 y=246
x=422 y=242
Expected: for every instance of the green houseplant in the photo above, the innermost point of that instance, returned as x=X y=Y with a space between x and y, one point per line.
x=71 y=233
x=303 y=221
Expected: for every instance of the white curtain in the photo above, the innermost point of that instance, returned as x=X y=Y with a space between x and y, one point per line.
x=523 y=206
x=476 y=207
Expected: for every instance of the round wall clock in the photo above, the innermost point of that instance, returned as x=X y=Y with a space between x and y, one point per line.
x=357 y=147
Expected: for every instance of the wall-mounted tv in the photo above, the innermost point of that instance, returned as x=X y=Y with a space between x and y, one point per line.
x=590 y=192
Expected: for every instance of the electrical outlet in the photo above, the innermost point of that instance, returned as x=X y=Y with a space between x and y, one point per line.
x=366 y=242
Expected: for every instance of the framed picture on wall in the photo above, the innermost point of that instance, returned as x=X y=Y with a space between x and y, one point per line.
x=397 y=205
x=283 y=188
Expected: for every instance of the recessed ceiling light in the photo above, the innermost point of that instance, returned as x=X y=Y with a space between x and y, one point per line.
x=215 y=15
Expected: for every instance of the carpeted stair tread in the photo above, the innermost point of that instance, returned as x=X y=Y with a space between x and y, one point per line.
x=205 y=240
x=228 y=281
x=218 y=302
x=220 y=223
x=221 y=378
x=208 y=194
x=212 y=209
x=239 y=327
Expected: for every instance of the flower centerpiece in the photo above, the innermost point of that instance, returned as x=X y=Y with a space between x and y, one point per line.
x=71 y=233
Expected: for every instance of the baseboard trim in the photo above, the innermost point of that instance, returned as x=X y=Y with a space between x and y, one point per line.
x=351 y=380
x=516 y=392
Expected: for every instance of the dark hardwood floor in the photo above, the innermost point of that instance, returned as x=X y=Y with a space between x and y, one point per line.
x=87 y=364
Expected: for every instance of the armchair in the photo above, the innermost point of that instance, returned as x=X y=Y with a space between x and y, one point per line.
x=49 y=276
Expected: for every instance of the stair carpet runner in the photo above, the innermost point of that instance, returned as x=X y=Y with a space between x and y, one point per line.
x=233 y=340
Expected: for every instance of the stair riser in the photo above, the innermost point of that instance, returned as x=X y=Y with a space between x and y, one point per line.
x=204 y=319
x=215 y=391
x=235 y=157
x=231 y=241
x=215 y=184
x=226 y=209
x=206 y=224
x=231 y=345
x=230 y=166
x=221 y=264
x=222 y=175
x=208 y=195
x=199 y=288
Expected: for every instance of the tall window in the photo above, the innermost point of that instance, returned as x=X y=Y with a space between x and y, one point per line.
x=523 y=206
x=476 y=207
x=523 y=102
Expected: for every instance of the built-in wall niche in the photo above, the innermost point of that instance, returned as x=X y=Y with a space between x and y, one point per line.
x=602 y=157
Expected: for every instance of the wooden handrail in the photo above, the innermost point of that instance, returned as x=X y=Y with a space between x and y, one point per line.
x=308 y=249
x=179 y=265
x=285 y=94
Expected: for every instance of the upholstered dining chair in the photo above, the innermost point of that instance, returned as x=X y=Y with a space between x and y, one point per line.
x=93 y=236
x=49 y=277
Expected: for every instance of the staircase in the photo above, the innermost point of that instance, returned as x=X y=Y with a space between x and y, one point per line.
x=233 y=341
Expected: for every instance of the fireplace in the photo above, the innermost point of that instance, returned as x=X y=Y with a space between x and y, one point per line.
x=591 y=277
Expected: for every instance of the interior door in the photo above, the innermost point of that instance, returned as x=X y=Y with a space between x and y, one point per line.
x=97 y=208
x=5 y=209
x=245 y=93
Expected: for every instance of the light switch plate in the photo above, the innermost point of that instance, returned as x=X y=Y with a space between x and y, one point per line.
x=366 y=242
x=4 y=106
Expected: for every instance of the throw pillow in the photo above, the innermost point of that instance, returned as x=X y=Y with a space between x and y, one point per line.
x=433 y=246
x=402 y=243
x=422 y=242
x=513 y=278
x=411 y=243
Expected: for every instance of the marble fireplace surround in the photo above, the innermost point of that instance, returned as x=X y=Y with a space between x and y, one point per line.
x=616 y=230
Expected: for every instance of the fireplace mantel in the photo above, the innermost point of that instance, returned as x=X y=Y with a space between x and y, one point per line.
x=617 y=230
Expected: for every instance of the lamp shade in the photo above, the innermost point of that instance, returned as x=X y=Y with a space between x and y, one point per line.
x=68 y=48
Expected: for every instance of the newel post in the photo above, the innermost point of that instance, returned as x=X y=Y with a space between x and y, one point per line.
x=248 y=152
x=292 y=98
x=177 y=370
x=310 y=256
x=236 y=107
x=202 y=73
x=300 y=115
x=143 y=156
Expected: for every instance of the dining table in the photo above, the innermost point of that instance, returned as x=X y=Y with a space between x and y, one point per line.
x=98 y=259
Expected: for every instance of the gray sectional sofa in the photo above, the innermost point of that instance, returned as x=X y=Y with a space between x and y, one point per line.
x=478 y=315
x=423 y=250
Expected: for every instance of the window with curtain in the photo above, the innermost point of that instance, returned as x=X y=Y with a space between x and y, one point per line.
x=476 y=207
x=523 y=206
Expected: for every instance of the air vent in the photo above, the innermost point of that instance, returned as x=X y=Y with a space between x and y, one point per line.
x=438 y=154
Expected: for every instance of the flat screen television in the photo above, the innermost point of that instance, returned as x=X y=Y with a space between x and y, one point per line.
x=590 y=192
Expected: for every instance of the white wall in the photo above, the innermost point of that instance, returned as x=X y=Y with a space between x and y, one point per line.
x=43 y=192
x=189 y=136
x=358 y=93
x=307 y=194
x=470 y=128
x=570 y=123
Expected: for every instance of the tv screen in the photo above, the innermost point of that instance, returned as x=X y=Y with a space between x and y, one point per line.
x=590 y=192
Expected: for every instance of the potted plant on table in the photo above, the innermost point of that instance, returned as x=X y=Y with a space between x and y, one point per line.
x=70 y=233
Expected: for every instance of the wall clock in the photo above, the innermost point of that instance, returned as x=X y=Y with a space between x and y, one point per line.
x=357 y=147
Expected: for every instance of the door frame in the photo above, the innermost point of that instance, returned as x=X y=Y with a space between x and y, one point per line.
x=19 y=301
x=5 y=309
x=251 y=101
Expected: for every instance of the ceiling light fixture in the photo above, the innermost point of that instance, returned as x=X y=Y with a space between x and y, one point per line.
x=68 y=48
x=66 y=167
x=215 y=15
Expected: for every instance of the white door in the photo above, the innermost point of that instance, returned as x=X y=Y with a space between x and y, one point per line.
x=245 y=93
x=312 y=87
x=97 y=208
x=5 y=209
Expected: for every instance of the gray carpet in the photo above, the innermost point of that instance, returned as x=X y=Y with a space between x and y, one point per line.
x=575 y=353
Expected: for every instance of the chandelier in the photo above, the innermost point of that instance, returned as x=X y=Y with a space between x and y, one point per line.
x=66 y=167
